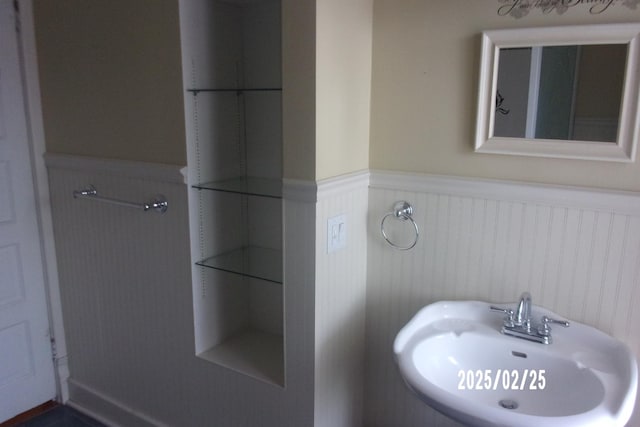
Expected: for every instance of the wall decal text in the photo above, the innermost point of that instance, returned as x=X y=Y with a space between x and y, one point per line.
x=520 y=8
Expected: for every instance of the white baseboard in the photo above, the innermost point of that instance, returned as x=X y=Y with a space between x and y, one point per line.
x=62 y=371
x=106 y=409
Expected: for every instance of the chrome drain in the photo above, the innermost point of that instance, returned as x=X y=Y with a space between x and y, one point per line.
x=508 y=404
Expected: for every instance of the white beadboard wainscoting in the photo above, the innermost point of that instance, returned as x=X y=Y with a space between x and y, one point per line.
x=340 y=289
x=125 y=279
x=341 y=280
x=576 y=250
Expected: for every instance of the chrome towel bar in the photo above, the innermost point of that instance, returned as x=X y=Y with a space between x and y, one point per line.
x=158 y=204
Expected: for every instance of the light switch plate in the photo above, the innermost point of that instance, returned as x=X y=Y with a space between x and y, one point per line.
x=336 y=233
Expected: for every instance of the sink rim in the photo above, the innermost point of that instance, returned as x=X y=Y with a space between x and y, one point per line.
x=611 y=407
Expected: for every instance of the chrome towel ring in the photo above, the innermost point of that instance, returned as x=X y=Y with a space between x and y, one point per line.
x=403 y=211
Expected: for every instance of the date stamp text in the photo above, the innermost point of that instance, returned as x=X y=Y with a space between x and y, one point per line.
x=503 y=379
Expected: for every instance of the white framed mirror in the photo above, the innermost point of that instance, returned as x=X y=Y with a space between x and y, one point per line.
x=567 y=92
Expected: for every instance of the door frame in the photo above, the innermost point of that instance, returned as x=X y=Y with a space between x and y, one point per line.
x=37 y=149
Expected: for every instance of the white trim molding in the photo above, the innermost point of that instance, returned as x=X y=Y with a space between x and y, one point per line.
x=313 y=191
x=33 y=107
x=297 y=190
x=330 y=187
x=625 y=202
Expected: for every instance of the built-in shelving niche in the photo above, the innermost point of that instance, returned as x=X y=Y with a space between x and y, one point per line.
x=236 y=154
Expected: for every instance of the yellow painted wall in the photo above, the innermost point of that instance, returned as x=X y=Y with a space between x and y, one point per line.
x=111 y=85
x=111 y=79
x=343 y=85
x=298 y=88
x=424 y=91
x=327 y=87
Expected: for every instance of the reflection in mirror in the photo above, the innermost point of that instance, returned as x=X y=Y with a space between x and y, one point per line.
x=571 y=92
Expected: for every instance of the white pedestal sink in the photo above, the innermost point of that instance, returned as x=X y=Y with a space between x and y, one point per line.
x=453 y=356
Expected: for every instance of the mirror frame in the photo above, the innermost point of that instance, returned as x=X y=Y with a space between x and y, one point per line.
x=622 y=150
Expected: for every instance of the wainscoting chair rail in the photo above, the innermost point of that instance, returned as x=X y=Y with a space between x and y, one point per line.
x=159 y=203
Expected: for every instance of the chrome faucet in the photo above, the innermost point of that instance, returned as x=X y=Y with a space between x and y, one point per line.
x=518 y=323
x=523 y=312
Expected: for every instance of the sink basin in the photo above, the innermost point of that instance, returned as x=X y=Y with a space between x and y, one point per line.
x=453 y=356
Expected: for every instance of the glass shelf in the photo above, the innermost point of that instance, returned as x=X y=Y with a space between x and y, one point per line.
x=196 y=91
x=263 y=187
x=250 y=261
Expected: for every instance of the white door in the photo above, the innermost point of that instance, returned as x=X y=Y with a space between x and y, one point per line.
x=26 y=368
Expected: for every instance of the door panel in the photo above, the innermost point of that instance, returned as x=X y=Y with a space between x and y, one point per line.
x=6 y=199
x=15 y=353
x=11 y=281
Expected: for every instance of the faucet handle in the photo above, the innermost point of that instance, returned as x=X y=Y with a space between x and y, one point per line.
x=545 y=330
x=546 y=320
x=509 y=318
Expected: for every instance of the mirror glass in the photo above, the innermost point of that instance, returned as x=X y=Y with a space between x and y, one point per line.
x=569 y=92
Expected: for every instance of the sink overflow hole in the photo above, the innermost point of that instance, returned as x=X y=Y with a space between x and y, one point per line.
x=508 y=404
x=518 y=354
